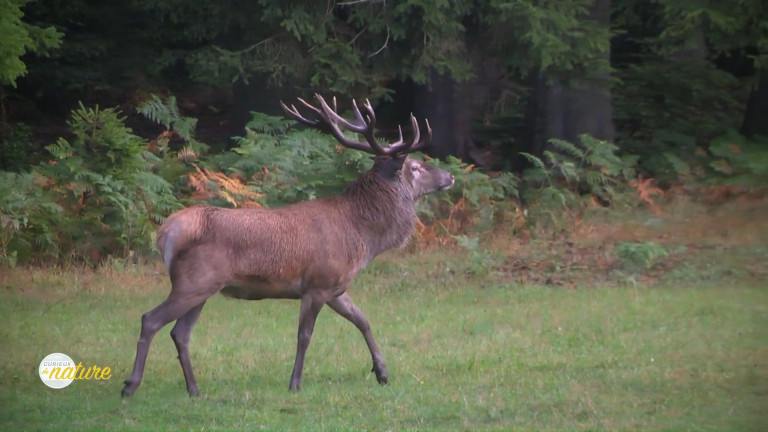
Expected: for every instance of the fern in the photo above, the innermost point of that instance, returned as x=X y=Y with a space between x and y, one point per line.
x=554 y=196
x=636 y=256
x=535 y=161
x=163 y=112
x=739 y=161
x=108 y=186
x=568 y=148
x=591 y=165
x=569 y=170
x=166 y=113
x=601 y=154
x=595 y=179
x=507 y=184
x=267 y=124
x=679 y=166
x=26 y=212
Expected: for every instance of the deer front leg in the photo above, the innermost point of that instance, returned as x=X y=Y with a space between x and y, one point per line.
x=310 y=308
x=344 y=306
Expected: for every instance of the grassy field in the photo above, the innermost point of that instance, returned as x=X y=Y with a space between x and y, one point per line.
x=514 y=332
x=464 y=352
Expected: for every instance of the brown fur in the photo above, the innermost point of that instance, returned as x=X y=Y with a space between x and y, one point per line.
x=326 y=241
x=309 y=251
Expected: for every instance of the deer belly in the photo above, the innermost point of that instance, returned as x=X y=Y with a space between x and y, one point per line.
x=258 y=288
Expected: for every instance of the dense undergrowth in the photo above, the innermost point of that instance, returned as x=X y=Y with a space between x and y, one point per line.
x=104 y=190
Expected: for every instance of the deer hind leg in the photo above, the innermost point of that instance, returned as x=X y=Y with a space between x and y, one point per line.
x=344 y=306
x=180 y=335
x=151 y=322
x=310 y=308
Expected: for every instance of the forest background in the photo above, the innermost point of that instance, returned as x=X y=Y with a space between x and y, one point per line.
x=115 y=114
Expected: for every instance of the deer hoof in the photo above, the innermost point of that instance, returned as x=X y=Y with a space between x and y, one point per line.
x=381 y=375
x=127 y=391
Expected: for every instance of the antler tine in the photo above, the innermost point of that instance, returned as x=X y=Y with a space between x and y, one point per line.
x=370 y=112
x=364 y=124
x=401 y=147
x=416 y=131
x=395 y=146
x=293 y=112
x=371 y=123
x=332 y=114
x=324 y=123
x=312 y=107
x=363 y=127
x=421 y=144
x=329 y=123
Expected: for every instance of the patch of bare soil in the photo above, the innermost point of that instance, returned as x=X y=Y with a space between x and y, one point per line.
x=703 y=240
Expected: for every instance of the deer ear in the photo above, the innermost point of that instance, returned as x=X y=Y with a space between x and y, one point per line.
x=399 y=160
x=388 y=166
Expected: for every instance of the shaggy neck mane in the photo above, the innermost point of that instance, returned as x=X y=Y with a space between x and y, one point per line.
x=382 y=209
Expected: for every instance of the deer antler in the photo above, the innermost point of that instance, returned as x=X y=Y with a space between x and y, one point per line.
x=364 y=123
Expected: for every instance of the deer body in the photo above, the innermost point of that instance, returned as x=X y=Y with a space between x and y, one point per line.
x=258 y=255
x=308 y=251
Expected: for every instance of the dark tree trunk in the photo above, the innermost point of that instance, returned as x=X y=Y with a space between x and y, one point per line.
x=257 y=95
x=564 y=107
x=756 y=117
x=447 y=105
x=560 y=109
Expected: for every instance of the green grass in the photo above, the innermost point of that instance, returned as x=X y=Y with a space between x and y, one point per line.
x=463 y=353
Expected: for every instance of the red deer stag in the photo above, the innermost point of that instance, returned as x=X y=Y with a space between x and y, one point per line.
x=309 y=251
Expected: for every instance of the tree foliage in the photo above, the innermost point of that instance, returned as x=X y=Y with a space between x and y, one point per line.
x=728 y=26
x=19 y=38
x=675 y=83
x=536 y=36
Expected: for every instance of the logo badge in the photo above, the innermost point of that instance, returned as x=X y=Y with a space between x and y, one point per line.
x=57 y=370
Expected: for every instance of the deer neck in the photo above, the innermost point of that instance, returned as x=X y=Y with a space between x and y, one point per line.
x=381 y=208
